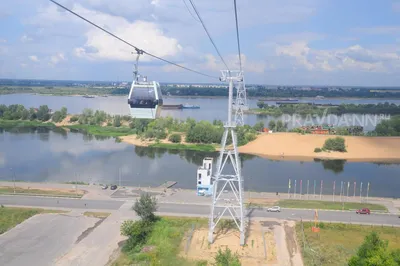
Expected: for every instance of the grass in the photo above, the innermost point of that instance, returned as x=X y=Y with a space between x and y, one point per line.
x=336 y=243
x=97 y=214
x=10 y=217
x=179 y=146
x=328 y=205
x=166 y=237
x=24 y=123
x=103 y=131
x=35 y=191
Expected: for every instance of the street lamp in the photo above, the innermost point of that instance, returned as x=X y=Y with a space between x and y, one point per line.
x=13 y=175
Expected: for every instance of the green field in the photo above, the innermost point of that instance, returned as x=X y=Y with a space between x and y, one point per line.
x=34 y=191
x=10 y=217
x=57 y=90
x=328 y=205
x=336 y=243
x=166 y=237
x=193 y=147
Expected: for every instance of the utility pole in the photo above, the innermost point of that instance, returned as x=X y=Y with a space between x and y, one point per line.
x=119 y=176
x=13 y=175
x=76 y=184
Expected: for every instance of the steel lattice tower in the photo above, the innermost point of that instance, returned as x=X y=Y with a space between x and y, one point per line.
x=240 y=103
x=220 y=203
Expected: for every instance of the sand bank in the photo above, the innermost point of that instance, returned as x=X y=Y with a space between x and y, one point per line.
x=295 y=146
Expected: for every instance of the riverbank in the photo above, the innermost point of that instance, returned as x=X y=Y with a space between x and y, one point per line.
x=294 y=146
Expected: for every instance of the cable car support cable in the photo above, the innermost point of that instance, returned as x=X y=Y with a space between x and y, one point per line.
x=209 y=36
x=136 y=48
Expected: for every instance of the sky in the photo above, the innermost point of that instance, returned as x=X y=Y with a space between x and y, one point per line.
x=283 y=42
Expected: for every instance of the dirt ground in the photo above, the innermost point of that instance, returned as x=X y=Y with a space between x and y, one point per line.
x=297 y=146
x=253 y=253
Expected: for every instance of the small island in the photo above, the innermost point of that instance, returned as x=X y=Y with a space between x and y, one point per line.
x=166 y=132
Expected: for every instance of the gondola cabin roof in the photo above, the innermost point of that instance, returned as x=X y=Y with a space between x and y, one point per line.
x=145 y=99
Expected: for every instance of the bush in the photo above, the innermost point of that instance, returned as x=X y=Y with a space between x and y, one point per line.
x=227 y=258
x=259 y=126
x=335 y=144
x=73 y=118
x=317 y=150
x=117 y=121
x=175 y=138
x=137 y=231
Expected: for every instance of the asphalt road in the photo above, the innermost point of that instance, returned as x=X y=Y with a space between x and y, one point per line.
x=292 y=214
x=60 y=202
x=203 y=210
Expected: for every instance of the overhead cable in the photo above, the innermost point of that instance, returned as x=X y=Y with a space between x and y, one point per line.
x=237 y=35
x=209 y=36
x=135 y=47
x=190 y=12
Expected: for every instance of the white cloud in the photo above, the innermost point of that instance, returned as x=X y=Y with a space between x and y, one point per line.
x=34 y=58
x=55 y=59
x=25 y=38
x=99 y=45
x=355 y=58
x=3 y=40
x=23 y=65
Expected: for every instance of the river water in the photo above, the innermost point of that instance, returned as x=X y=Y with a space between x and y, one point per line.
x=60 y=156
x=210 y=108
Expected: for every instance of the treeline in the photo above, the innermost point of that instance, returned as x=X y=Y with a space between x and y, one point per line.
x=389 y=127
x=309 y=108
x=160 y=128
x=281 y=92
x=43 y=113
x=101 y=123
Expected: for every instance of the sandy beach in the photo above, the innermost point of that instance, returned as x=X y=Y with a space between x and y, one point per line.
x=295 y=146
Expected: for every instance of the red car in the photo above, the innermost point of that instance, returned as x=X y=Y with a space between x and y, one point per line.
x=363 y=211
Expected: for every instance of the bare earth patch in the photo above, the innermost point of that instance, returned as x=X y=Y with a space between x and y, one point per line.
x=253 y=253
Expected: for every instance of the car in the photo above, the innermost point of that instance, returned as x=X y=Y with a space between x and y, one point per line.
x=363 y=211
x=274 y=209
x=113 y=187
x=104 y=187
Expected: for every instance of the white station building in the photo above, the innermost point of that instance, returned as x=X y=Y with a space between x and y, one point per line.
x=204 y=173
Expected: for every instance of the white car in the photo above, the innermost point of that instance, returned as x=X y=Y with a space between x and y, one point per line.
x=274 y=209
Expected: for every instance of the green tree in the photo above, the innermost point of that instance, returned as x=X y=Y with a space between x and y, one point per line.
x=335 y=144
x=261 y=104
x=175 y=138
x=226 y=258
x=145 y=207
x=32 y=114
x=374 y=252
x=117 y=121
x=259 y=126
x=272 y=125
x=43 y=113
x=57 y=117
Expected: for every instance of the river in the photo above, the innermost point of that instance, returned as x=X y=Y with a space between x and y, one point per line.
x=210 y=108
x=48 y=156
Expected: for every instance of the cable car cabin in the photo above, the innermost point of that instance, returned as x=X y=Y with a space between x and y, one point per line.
x=145 y=99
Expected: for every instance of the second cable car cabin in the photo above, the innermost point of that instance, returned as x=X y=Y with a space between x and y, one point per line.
x=145 y=99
